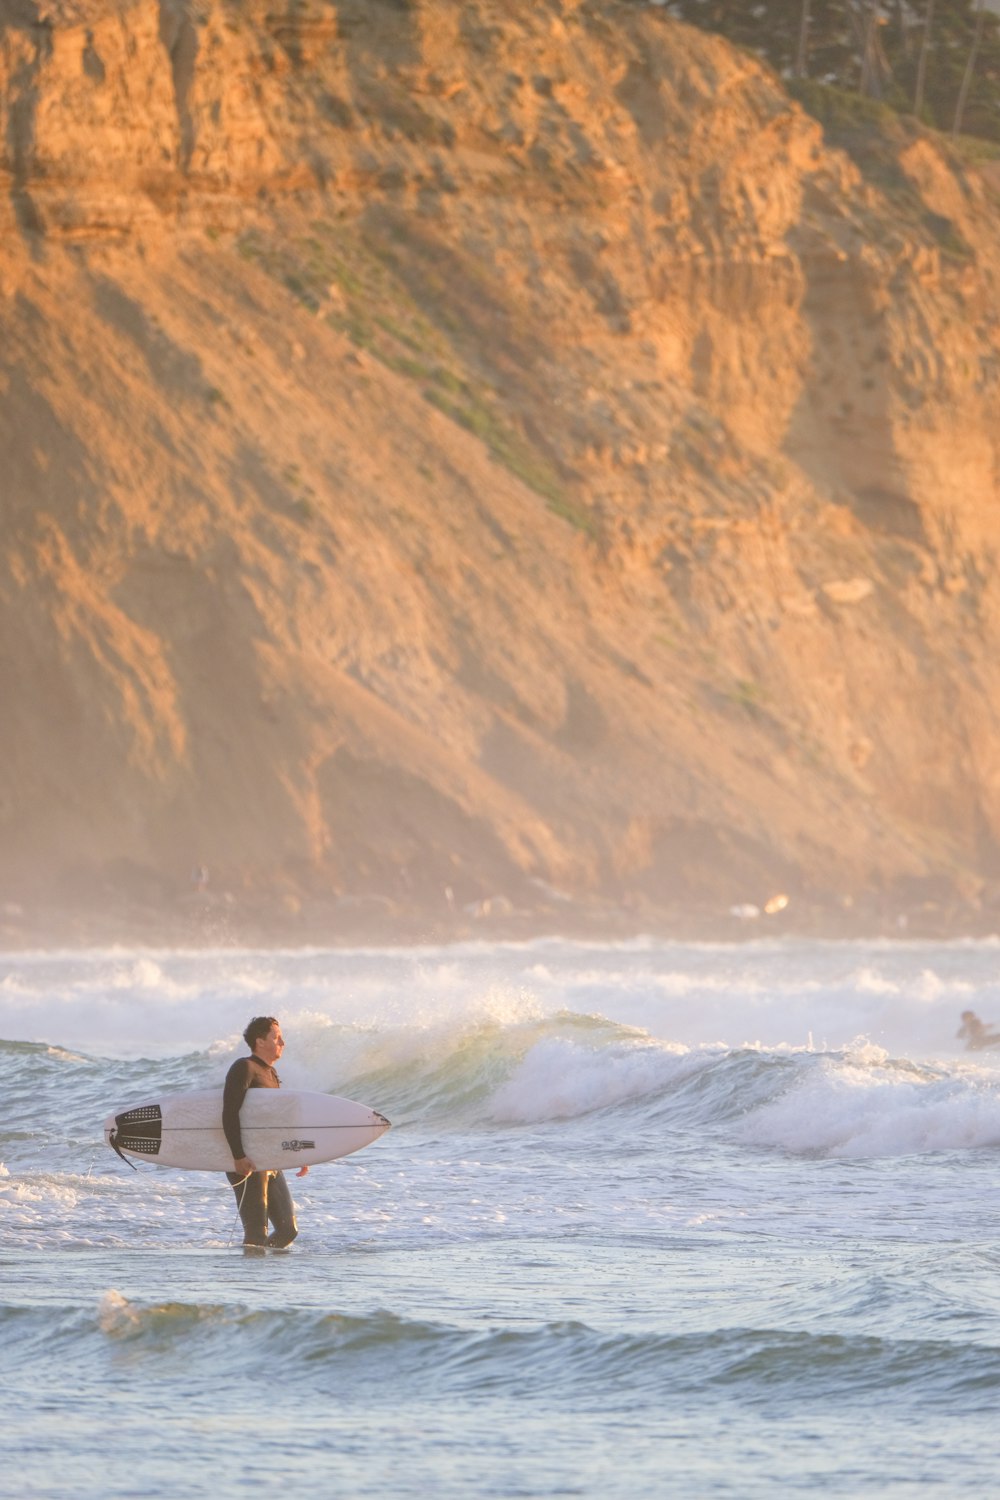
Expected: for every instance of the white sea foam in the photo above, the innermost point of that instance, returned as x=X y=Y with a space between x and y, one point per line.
x=116 y=1314
x=560 y=1079
x=907 y=997
x=863 y=1104
x=553 y=1031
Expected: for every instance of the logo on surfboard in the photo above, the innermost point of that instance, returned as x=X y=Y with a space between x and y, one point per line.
x=298 y=1145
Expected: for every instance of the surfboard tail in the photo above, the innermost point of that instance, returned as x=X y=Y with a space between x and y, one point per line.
x=139 y=1130
x=111 y=1137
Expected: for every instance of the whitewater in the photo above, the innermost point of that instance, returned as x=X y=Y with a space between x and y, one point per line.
x=653 y=1218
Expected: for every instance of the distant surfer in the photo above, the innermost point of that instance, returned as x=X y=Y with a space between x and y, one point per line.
x=975 y=1033
x=260 y=1196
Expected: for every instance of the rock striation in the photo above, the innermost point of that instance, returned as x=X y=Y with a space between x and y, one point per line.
x=495 y=457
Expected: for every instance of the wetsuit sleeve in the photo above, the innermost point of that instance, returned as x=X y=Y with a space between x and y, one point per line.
x=233 y=1094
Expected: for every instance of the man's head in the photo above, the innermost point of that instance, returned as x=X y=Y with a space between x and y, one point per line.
x=263 y=1037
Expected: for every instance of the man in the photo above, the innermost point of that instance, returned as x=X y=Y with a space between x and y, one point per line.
x=260 y=1196
x=976 y=1033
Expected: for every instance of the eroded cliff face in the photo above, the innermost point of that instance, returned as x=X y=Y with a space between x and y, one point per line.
x=455 y=448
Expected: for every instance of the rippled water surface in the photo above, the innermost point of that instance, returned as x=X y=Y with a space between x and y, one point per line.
x=652 y=1219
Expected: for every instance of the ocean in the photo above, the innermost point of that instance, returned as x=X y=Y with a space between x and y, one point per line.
x=654 y=1218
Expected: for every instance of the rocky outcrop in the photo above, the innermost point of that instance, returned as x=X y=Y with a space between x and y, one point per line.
x=457 y=450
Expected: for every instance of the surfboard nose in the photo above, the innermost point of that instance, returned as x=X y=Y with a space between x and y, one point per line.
x=380 y=1119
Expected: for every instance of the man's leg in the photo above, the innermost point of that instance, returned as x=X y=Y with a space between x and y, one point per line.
x=281 y=1212
x=251 y=1199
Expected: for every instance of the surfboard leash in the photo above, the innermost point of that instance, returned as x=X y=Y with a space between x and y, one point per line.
x=113 y=1143
x=239 y=1207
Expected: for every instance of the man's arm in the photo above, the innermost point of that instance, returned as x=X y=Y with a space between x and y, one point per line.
x=233 y=1094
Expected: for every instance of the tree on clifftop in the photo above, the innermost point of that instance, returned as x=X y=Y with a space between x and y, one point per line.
x=939 y=59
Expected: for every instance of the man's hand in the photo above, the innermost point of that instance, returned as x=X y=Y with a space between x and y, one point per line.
x=243 y=1165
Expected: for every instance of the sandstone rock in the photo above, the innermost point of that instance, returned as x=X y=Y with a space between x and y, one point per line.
x=848 y=590
x=667 y=441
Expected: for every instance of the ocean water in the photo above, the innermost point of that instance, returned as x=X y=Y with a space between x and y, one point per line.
x=653 y=1219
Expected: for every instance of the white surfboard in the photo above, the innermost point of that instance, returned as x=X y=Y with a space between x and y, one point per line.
x=280 y=1128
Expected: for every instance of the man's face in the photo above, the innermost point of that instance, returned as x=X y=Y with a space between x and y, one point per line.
x=269 y=1048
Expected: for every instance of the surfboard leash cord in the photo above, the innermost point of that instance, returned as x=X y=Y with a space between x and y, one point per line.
x=239 y=1206
x=113 y=1143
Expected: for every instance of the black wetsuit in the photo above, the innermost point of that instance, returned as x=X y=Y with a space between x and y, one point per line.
x=262 y=1196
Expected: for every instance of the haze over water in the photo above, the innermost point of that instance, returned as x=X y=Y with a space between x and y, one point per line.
x=653 y=1218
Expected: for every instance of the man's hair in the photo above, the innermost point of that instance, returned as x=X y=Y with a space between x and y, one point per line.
x=258 y=1029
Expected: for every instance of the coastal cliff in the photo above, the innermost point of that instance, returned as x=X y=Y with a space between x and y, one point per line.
x=467 y=461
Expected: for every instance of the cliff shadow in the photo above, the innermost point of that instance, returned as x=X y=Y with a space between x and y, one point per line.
x=841 y=430
x=179 y=35
x=22 y=16
x=375 y=35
